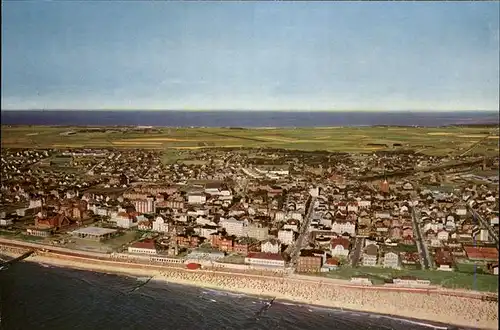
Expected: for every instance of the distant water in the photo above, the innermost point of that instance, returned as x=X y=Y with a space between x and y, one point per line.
x=244 y=118
x=35 y=297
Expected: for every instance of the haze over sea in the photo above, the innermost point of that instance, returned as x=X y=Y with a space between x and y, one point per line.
x=34 y=296
x=245 y=118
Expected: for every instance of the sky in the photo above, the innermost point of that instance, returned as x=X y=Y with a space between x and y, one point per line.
x=250 y=55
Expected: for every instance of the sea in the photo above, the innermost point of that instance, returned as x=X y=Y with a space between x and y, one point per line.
x=37 y=296
x=174 y=118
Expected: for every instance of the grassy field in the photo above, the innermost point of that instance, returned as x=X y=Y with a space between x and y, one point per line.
x=455 y=279
x=432 y=141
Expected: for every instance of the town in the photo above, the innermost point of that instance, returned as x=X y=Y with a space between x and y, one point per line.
x=363 y=217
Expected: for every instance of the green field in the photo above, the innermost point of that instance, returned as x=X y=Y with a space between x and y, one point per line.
x=432 y=141
x=455 y=279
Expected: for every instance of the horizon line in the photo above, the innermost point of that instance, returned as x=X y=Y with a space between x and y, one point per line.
x=260 y=110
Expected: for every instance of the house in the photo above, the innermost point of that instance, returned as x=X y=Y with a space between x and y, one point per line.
x=272 y=260
x=391 y=260
x=233 y=226
x=344 y=226
x=197 y=198
x=286 y=236
x=339 y=246
x=292 y=224
x=308 y=263
x=206 y=231
x=443 y=235
x=56 y=222
x=396 y=233
x=241 y=248
x=443 y=259
x=256 y=231
x=370 y=255
x=270 y=246
x=494 y=269
x=407 y=232
x=124 y=220
x=143 y=247
x=330 y=264
x=160 y=225
x=144 y=225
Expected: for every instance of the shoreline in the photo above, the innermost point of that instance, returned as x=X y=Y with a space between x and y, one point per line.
x=419 y=307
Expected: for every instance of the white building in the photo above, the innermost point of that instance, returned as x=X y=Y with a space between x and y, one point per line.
x=255 y=231
x=233 y=226
x=443 y=235
x=144 y=205
x=197 y=198
x=292 y=225
x=160 y=225
x=34 y=203
x=265 y=259
x=341 y=227
x=123 y=220
x=206 y=231
x=6 y=222
x=270 y=246
x=144 y=247
x=286 y=236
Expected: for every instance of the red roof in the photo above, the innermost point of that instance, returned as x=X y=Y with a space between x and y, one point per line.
x=147 y=244
x=332 y=261
x=340 y=241
x=481 y=252
x=265 y=255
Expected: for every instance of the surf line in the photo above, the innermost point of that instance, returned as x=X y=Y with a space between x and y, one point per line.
x=265 y=308
x=141 y=285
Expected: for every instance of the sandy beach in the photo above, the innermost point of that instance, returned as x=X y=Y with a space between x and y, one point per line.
x=458 y=311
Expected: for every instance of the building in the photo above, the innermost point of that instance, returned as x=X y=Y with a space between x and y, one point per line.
x=258 y=232
x=339 y=246
x=330 y=264
x=370 y=255
x=444 y=259
x=286 y=236
x=392 y=260
x=143 y=247
x=197 y=198
x=40 y=232
x=233 y=226
x=94 y=233
x=292 y=224
x=160 y=225
x=144 y=206
x=341 y=227
x=308 y=263
x=274 y=260
x=124 y=220
x=270 y=246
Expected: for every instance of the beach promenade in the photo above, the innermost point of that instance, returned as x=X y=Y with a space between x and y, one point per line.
x=423 y=304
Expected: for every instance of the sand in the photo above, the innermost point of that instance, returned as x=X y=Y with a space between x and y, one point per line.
x=429 y=307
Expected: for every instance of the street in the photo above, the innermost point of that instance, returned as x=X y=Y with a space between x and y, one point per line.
x=425 y=259
x=303 y=232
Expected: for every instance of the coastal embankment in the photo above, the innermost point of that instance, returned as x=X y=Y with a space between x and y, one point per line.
x=423 y=305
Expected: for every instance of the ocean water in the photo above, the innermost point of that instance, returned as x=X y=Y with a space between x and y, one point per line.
x=34 y=296
x=244 y=118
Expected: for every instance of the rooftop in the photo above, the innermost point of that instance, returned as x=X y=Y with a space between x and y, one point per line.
x=97 y=231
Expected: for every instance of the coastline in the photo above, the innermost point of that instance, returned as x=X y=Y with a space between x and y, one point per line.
x=418 y=307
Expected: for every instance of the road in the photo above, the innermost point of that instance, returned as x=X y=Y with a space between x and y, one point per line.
x=304 y=229
x=484 y=224
x=356 y=254
x=423 y=251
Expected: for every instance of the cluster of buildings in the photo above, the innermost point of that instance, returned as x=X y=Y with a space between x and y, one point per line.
x=255 y=206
